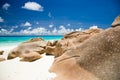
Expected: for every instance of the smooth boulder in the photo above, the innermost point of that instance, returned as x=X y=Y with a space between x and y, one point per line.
x=29 y=51
x=97 y=58
x=71 y=41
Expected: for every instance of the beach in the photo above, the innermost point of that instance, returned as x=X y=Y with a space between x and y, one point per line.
x=17 y=70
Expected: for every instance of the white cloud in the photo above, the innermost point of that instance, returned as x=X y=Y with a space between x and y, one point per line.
x=61 y=30
x=27 y=24
x=3 y=30
x=33 y=6
x=1 y=19
x=54 y=31
x=44 y=31
x=93 y=27
x=6 y=32
x=68 y=24
x=51 y=25
x=80 y=29
x=29 y=28
x=35 y=31
x=6 y=6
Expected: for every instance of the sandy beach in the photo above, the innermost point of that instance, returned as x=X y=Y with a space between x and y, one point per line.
x=17 y=70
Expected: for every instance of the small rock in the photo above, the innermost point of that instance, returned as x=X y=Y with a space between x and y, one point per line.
x=29 y=51
x=1 y=52
x=2 y=59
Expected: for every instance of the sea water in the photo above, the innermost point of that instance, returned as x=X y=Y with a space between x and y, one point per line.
x=12 y=41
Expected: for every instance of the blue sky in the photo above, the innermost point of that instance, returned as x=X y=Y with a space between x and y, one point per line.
x=30 y=17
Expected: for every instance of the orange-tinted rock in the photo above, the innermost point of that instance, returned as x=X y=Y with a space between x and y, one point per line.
x=49 y=43
x=50 y=50
x=71 y=41
x=97 y=58
x=29 y=50
x=30 y=57
x=116 y=22
x=2 y=59
x=34 y=40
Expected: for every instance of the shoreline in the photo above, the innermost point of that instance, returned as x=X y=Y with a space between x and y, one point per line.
x=16 y=70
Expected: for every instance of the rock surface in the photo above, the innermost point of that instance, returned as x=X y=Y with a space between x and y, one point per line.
x=116 y=22
x=1 y=56
x=2 y=59
x=70 y=41
x=96 y=58
x=1 y=52
x=89 y=56
x=29 y=51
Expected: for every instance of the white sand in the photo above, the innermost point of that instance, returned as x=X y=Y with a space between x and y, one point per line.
x=16 y=70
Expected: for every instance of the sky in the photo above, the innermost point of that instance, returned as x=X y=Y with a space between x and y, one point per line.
x=55 y=17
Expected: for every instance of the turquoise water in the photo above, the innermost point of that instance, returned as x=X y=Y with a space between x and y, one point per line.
x=14 y=40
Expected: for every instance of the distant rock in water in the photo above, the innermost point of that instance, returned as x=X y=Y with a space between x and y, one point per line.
x=91 y=57
x=116 y=22
x=29 y=51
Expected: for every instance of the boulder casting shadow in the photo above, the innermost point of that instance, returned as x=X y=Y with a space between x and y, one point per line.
x=97 y=58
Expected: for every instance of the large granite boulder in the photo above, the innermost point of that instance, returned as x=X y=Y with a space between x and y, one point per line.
x=97 y=58
x=29 y=51
x=70 y=41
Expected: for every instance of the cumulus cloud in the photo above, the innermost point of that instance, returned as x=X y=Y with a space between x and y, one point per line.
x=61 y=30
x=32 y=6
x=68 y=24
x=1 y=19
x=3 y=30
x=54 y=31
x=35 y=31
x=93 y=27
x=51 y=25
x=43 y=31
x=29 y=28
x=6 y=32
x=27 y=24
x=6 y=6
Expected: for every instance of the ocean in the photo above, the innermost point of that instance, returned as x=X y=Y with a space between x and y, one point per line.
x=12 y=41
